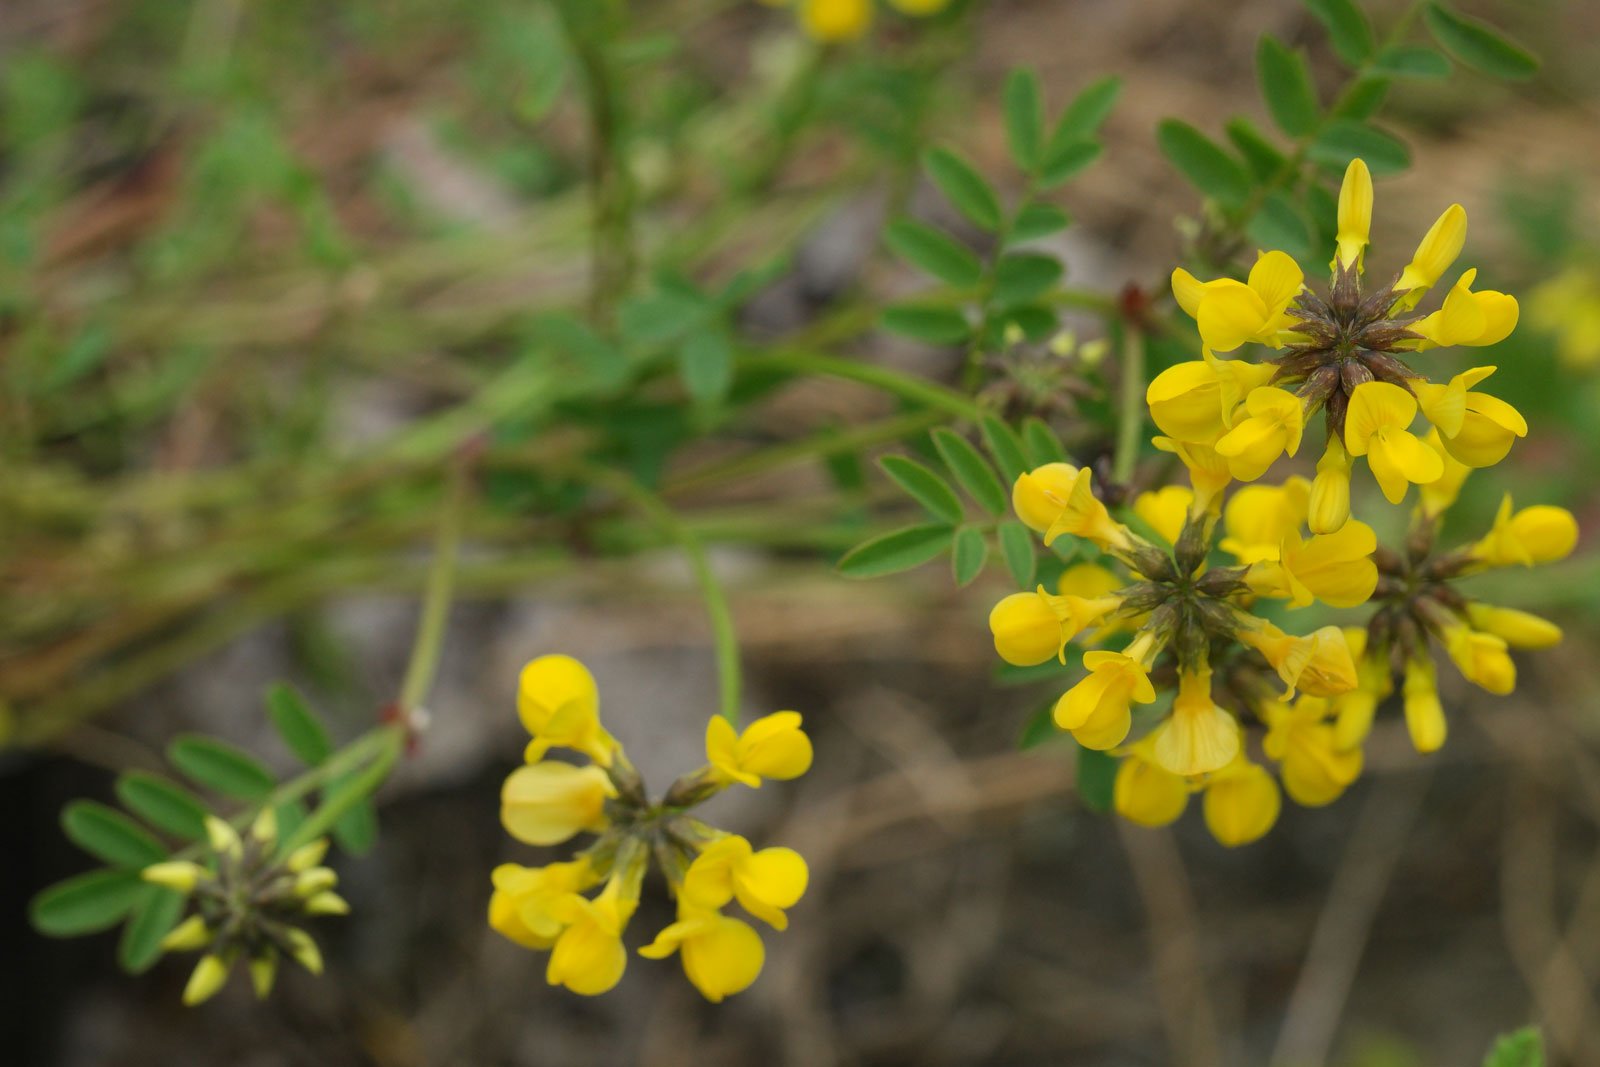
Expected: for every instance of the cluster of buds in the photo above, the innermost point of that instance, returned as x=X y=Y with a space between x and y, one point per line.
x=248 y=900
x=1346 y=355
x=547 y=802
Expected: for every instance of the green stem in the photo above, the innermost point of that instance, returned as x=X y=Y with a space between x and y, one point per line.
x=389 y=742
x=429 y=642
x=917 y=390
x=1130 y=415
x=711 y=591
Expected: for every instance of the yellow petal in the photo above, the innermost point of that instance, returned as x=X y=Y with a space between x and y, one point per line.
x=1146 y=794
x=1375 y=406
x=1230 y=315
x=1276 y=279
x=723 y=958
x=1355 y=214
x=551 y=682
x=1040 y=495
x=548 y=803
x=1439 y=248
x=1241 y=805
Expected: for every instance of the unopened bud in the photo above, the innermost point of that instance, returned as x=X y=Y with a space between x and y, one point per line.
x=181 y=875
x=208 y=977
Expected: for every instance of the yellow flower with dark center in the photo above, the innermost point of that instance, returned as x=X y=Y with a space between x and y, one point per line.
x=774 y=746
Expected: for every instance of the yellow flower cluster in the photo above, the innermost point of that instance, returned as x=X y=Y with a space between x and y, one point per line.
x=547 y=802
x=248 y=899
x=1568 y=307
x=832 y=21
x=1200 y=664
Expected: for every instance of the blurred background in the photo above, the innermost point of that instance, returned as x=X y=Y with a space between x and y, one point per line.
x=245 y=248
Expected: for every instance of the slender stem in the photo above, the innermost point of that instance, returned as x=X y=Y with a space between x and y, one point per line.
x=389 y=741
x=429 y=642
x=711 y=591
x=930 y=394
x=1130 y=414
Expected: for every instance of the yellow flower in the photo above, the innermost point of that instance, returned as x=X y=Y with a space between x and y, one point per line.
x=1481 y=658
x=1274 y=426
x=1198 y=737
x=1039 y=495
x=1540 y=534
x=1320 y=663
x=1231 y=313
x=1424 y=714
x=1329 y=507
x=1435 y=498
x=773 y=747
x=1354 y=711
x=520 y=906
x=833 y=21
x=1241 y=802
x=587 y=956
x=765 y=882
x=1090 y=581
x=1335 y=568
x=1519 y=629
x=1476 y=429
x=1355 y=216
x=1568 y=306
x=721 y=956
x=1030 y=628
x=1082 y=514
x=1259 y=518
x=1468 y=318
x=1096 y=710
x=1146 y=793
x=547 y=803
x=1166 y=510
x=559 y=705
x=1315 y=769
x=1208 y=472
x=1439 y=248
x=206 y=980
x=1194 y=401
x=1376 y=427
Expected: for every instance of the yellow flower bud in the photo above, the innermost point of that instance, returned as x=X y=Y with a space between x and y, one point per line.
x=265 y=827
x=308 y=884
x=207 y=978
x=187 y=936
x=1198 y=737
x=307 y=856
x=547 y=803
x=1439 y=248
x=1540 y=534
x=1329 y=507
x=1519 y=629
x=1241 y=803
x=773 y=746
x=721 y=956
x=1355 y=216
x=263 y=972
x=1481 y=658
x=303 y=950
x=224 y=839
x=180 y=875
x=1424 y=714
x=327 y=903
x=1039 y=495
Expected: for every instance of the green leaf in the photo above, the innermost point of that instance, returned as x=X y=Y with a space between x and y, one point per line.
x=937 y=253
x=1347 y=28
x=661 y=317
x=1280 y=225
x=1345 y=139
x=298 y=725
x=1364 y=98
x=1037 y=322
x=1037 y=220
x=1212 y=170
x=899 y=550
x=153 y=918
x=1005 y=447
x=86 y=904
x=1040 y=727
x=1097 y=776
x=1411 y=61
x=932 y=325
x=1286 y=87
x=705 y=365
x=1260 y=155
x=1024 y=118
x=357 y=829
x=107 y=834
x=1063 y=161
x=163 y=804
x=1479 y=45
x=1042 y=443
x=969 y=553
x=971 y=470
x=1016 y=545
x=964 y=187
x=1083 y=117
x=925 y=487
x=1520 y=1048
x=220 y=766
x=1021 y=276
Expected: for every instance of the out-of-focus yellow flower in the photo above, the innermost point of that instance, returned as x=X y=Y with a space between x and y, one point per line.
x=1355 y=217
x=1475 y=428
x=1335 y=568
x=1273 y=427
x=1439 y=248
x=206 y=980
x=520 y=906
x=1435 y=498
x=1376 y=426
x=1230 y=313
x=547 y=803
x=1241 y=802
x=1146 y=793
x=1259 y=518
x=1354 y=711
x=1424 y=714
x=1199 y=737
x=1568 y=306
x=1314 y=768
x=1097 y=709
x=1519 y=629
x=833 y=21
x=1486 y=317
x=587 y=956
x=721 y=955
x=765 y=882
x=1030 y=628
x=1166 y=510
x=559 y=704
x=1540 y=534
x=1481 y=658
x=1329 y=506
x=773 y=747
